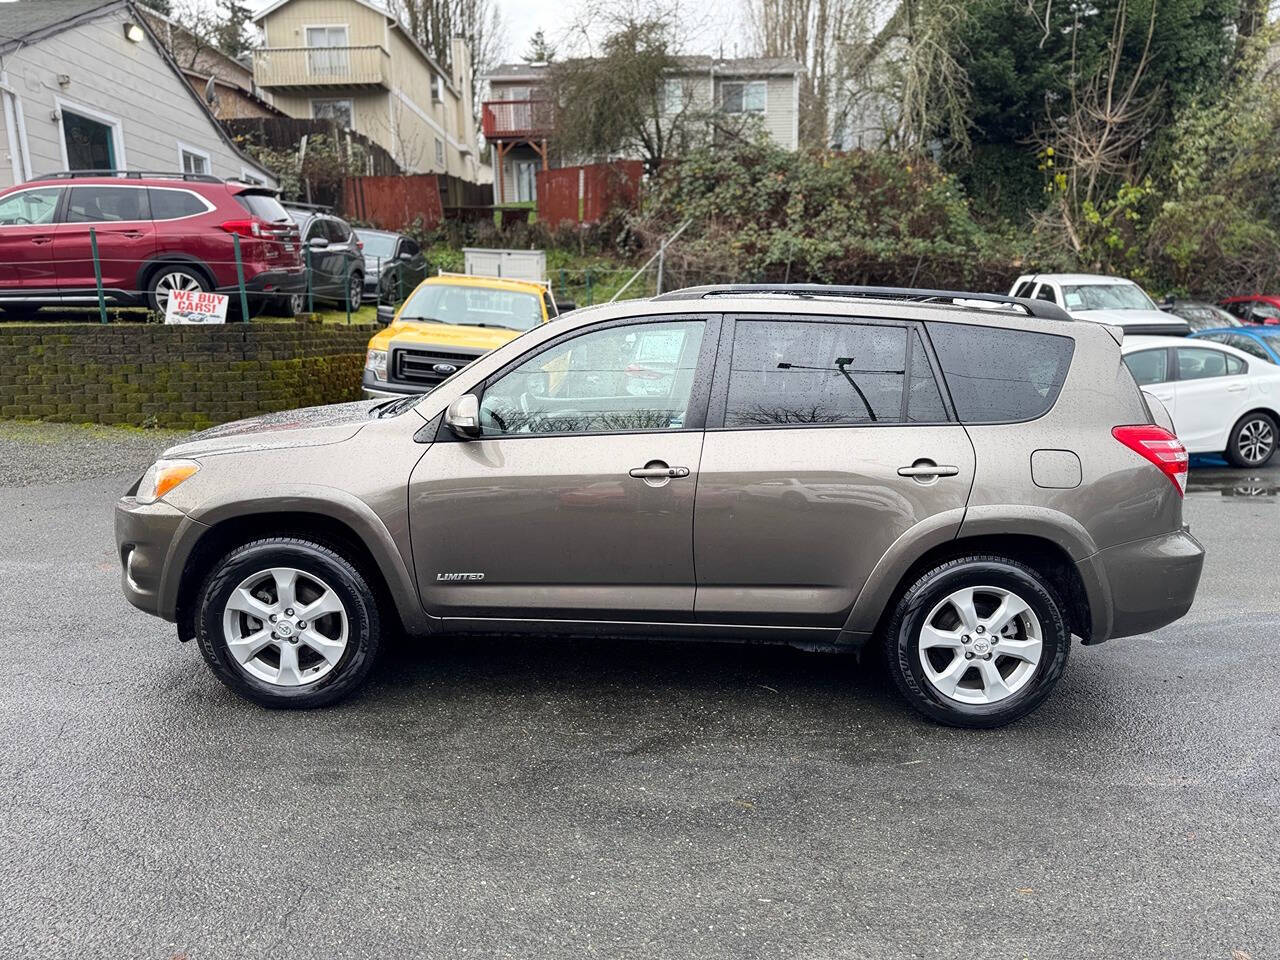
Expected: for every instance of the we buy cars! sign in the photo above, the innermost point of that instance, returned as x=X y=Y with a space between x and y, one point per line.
x=193 y=306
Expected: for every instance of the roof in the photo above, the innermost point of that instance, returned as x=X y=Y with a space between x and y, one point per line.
x=1094 y=278
x=492 y=283
x=732 y=67
x=26 y=21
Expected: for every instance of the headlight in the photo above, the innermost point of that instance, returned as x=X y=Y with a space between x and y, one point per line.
x=162 y=476
x=376 y=360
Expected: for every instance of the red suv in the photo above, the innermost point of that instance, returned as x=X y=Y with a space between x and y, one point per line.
x=156 y=232
x=1259 y=308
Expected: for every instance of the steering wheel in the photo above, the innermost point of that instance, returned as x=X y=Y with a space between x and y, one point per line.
x=20 y=220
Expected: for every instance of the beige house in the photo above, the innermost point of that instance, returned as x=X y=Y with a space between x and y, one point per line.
x=351 y=61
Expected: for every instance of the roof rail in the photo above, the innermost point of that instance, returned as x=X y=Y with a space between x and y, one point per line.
x=317 y=207
x=130 y=175
x=1041 y=309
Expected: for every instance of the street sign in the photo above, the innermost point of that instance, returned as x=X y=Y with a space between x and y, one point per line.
x=194 y=306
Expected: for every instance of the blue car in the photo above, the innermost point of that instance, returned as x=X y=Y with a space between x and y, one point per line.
x=1257 y=341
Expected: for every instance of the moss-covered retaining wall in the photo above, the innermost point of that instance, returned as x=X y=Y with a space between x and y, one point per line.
x=175 y=376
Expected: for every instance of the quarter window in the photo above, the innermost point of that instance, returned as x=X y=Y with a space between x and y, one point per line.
x=1148 y=366
x=107 y=205
x=997 y=375
x=174 y=204
x=29 y=206
x=797 y=372
x=627 y=378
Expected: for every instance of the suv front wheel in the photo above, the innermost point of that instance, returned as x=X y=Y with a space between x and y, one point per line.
x=288 y=623
x=978 y=641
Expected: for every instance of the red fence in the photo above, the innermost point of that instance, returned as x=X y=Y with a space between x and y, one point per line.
x=572 y=195
x=394 y=203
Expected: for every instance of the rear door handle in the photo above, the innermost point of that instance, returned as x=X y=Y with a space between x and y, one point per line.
x=42 y=239
x=134 y=234
x=657 y=470
x=1237 y=387
x=926 y=469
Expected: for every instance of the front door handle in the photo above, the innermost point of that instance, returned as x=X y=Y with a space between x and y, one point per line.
x=657 y=470
x=926 y=469
x=42 y=239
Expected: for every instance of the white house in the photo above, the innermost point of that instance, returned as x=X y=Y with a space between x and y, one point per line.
x=86 y=85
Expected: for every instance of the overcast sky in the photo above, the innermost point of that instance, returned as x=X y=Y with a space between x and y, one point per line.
x=719 y=23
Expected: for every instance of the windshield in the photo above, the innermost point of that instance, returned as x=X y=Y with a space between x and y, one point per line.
x=1106 y=296
x=474 y=307
x=377 y=246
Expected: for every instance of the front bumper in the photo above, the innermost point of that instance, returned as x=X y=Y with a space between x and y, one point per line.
x=145 y=535
x=1152 y=582
x=375 y=389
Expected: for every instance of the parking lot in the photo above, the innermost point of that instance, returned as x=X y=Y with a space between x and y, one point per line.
x=504 y=798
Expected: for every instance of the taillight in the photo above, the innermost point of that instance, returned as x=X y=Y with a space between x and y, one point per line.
x=1159 y=446
x=246 y=228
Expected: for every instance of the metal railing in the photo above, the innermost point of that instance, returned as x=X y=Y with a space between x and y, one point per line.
x=321 y=66
x=510 y=119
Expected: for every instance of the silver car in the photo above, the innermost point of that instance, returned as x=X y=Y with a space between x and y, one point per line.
x=965 y=480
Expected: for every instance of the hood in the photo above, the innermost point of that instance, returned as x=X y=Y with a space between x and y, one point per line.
x=409 y=333
x=1129 y=318
x=308 y=427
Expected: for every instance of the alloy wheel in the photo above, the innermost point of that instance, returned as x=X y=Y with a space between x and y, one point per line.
x=297 y=303
x=1256 y=440
x=980 y=645
x=176 y=280
x=285 y=627
x=356 y=292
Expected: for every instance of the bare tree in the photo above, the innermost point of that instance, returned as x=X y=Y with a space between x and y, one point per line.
x=434 y=24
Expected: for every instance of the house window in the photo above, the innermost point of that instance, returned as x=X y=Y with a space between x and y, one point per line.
x=743 y=96
x=329 y=54
x=340 y=112
x=193 y=160
x=90 y=142
x=439 y=152
x=672 y=96
x=437 y=88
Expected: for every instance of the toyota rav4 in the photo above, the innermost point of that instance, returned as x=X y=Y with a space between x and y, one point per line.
x=967 y=480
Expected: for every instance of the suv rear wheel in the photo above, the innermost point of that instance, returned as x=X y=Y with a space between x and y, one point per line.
x=288 y=623
x=978 y=642
x=173 y=277
x=355 y=290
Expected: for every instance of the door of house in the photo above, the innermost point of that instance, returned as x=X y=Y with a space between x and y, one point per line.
x=526 y=181
x=330 y=54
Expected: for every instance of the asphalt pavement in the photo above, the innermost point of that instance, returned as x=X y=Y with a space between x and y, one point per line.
x=546 y=799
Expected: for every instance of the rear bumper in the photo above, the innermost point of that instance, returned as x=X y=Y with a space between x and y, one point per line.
x=1151 y=583
x=284 y=280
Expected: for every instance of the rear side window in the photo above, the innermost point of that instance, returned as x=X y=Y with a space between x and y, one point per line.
x=1024 y=288
x=997 y=375
x=100 y=204
x=263 y=205
x=1148 y=366
x=174 y=204
x=797 y=372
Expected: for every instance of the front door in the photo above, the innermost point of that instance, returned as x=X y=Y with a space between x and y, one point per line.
x=26 y=242
x=120 y=218
x=577 y=501
x=827 y=440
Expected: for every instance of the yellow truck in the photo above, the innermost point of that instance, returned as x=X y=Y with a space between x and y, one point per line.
x=448 y=321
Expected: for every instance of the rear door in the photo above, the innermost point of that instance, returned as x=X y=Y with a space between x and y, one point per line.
x=120 y=217
x=577 y=501
x=1211 y=392
x=828 y=438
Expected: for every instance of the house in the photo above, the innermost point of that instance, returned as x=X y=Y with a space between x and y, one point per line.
x=86 y=85
x=225 y=82
x=351 y=61
x=518 y=118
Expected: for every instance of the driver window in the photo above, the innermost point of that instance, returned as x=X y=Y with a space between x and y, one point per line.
x=29 y=206
x=634 y=377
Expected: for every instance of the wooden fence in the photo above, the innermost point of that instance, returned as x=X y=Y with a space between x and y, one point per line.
x=586 y=194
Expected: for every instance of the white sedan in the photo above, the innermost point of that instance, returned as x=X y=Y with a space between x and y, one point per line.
x=1222 y=400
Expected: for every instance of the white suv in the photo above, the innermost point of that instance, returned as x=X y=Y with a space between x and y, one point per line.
x=1112 y=300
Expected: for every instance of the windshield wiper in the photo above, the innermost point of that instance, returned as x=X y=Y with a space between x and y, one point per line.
x=393 y=407
x=423 y=319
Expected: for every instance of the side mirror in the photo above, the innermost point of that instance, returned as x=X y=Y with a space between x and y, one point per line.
x=463 y=417
x=406 y=257
x=386 y=313
x=564 y=306
x=317 y=243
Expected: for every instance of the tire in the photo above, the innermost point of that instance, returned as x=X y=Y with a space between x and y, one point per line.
x=309 y=664
x=20 y=311
x=1252 y=441
x=355 y=291
x=287 y=305
x=173 y=276
x=977 y=699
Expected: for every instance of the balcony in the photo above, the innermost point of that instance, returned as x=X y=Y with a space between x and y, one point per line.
x=517 y=119
x=319 y=67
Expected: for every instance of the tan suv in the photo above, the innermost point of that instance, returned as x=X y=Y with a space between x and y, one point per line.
x=966 y=479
